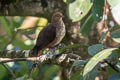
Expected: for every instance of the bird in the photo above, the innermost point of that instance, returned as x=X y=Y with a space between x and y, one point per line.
x=51 y=35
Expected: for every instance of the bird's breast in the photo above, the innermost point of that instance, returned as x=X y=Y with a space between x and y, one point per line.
x=60 y=33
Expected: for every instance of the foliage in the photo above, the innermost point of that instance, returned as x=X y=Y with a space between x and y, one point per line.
x=17 y=34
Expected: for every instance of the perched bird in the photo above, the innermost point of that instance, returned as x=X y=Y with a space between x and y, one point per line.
x=50 y=35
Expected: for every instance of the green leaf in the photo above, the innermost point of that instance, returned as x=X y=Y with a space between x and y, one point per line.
x=3 y=42
x=6 y=26
x=94 y=49
x=4 y=73
x=115 y=9
x=118 y=52
x=78 y=9
x=113 y=3
x=96 y=59
x=22 y=70
x=87 y=25
x=118 y=66
x=18 y=42
x=76 y=75
x=80 y=63
x=92 y=74
x=116 y=13
x=50 y=71
x=113 y=60
x=115 y=35
x=72 y=46
x=97 y=9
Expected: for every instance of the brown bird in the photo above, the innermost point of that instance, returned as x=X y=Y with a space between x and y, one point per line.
x=51 y=35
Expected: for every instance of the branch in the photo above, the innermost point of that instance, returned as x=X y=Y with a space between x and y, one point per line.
x=30 y=7
x=57 y=56
x=72 y=46
x=43 y=58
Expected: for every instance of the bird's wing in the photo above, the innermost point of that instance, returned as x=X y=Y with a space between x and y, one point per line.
x=46 y=36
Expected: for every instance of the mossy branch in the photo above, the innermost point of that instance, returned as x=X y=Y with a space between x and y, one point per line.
x=71 y=47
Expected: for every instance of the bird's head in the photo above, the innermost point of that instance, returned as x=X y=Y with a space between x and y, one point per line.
x=57 y=16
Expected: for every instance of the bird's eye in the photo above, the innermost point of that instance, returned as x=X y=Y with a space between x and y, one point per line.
x=58 y=15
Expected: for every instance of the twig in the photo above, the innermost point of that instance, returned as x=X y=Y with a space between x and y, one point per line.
x=27 y=53
x=59 y=56
x=4 y=65
x=9 y=70
x=5 y=60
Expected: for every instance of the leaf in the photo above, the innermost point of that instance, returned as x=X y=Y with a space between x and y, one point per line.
x=113 y=3
x=49 y=71
x=78 y=9
x=113 y=60
x=115 y=35
x=116 y=13
x=97 y=9
x=72 y=46
x=3 y=42
x=87 y=25
x=4 y=73
x=118 y=52
x=22 y=70
x=21 y=44
x=96 y=59
x=6 y=26
x=115 y=9
x=42 y=22
x=76 y=75
x=16 y=21
x=118 y=66
x=92 y=74
x=28 y=23
x=109 y=70
x=79 y=63
x=94 y=49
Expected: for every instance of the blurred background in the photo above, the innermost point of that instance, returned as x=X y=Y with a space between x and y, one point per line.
x=20 y=33
x=95 y=23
